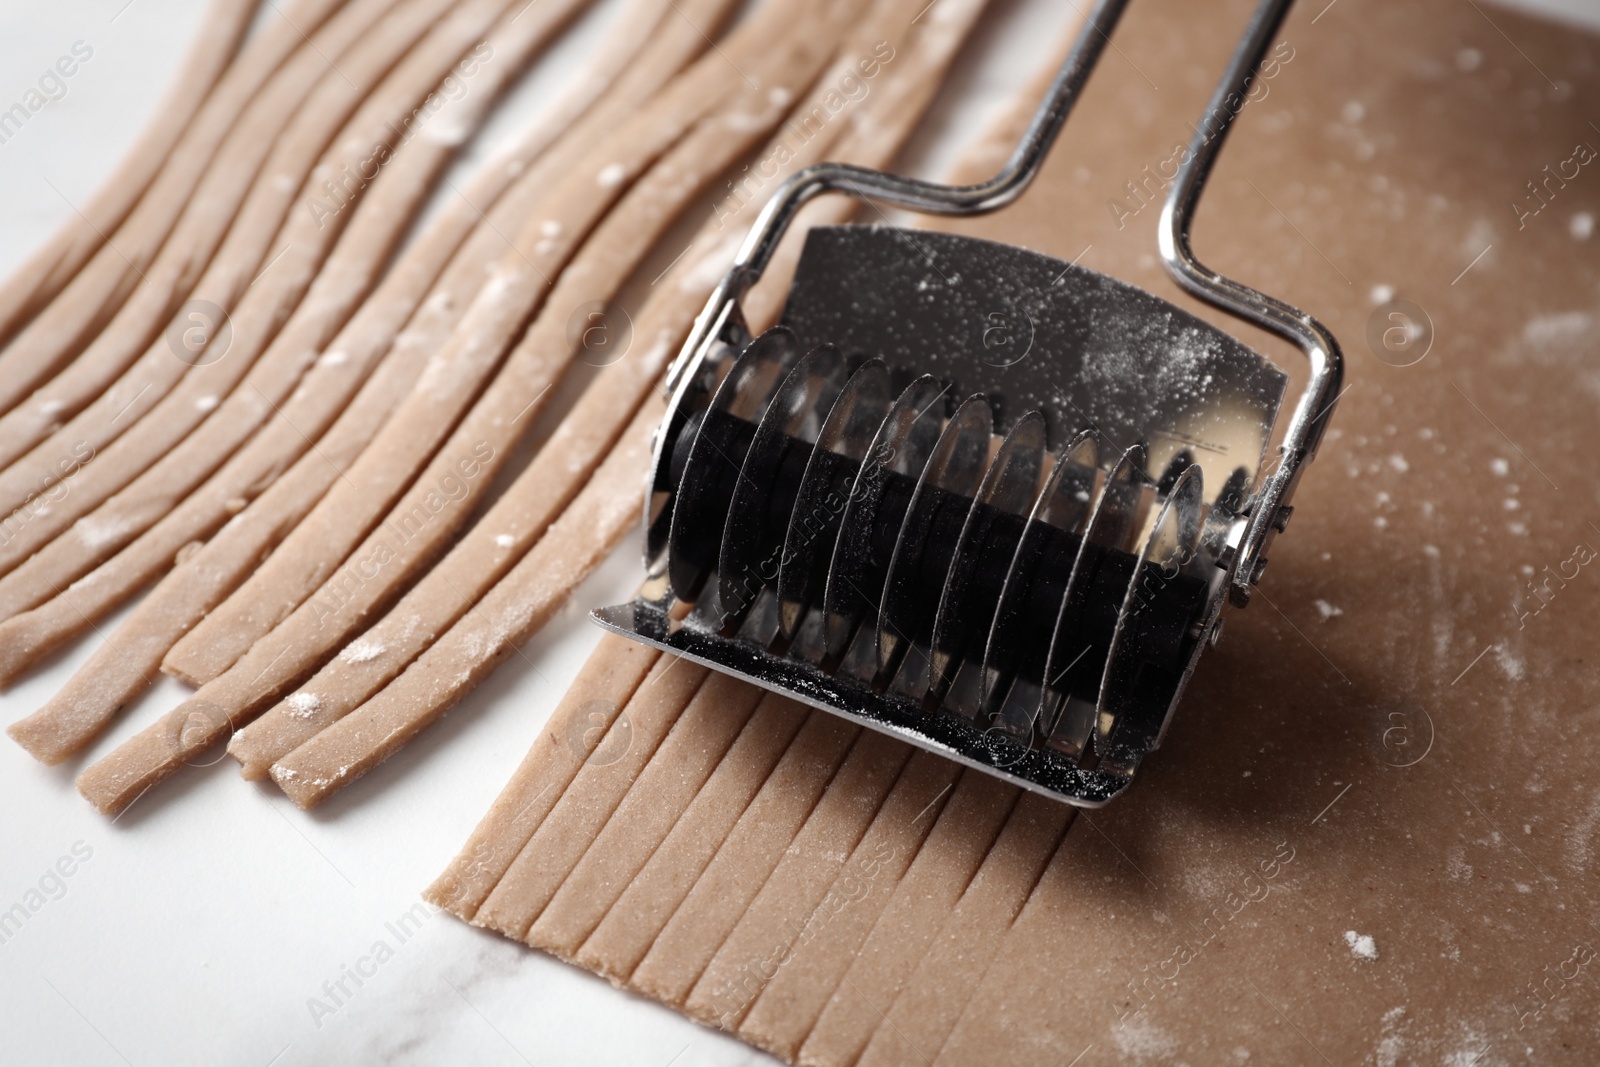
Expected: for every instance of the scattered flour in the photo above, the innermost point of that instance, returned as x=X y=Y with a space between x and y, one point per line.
x=1566 y=327
x=1327 y=610
x=1509 y=661
x=1470 y=1052
x=361 y=651
x=1140 y=1039
x=1361 y=945
x=1581 y=839
x=611 y=175
x=1478 y=236
x=447 y=133
x=658 y=352
x=1393 y=1044
x=1582 y=226
x=504 y=540
x=97 y=533
x=205 y=403
x=304 y=705
x=498 y=284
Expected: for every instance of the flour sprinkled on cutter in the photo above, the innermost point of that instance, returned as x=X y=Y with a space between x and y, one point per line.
x=970 y=495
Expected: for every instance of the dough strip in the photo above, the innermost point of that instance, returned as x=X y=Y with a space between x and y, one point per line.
x=602 y=688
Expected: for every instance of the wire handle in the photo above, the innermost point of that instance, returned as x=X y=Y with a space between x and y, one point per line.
x=1269 y=510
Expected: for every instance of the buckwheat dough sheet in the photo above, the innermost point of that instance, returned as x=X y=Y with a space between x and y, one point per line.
x=1370 y=835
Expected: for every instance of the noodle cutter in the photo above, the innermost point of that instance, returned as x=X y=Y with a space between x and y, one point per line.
x=970 y=495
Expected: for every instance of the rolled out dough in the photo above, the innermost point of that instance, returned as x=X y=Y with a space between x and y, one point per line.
x=1411 y=767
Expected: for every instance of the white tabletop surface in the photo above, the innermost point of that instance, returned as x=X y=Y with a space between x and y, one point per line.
x=199 y=926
